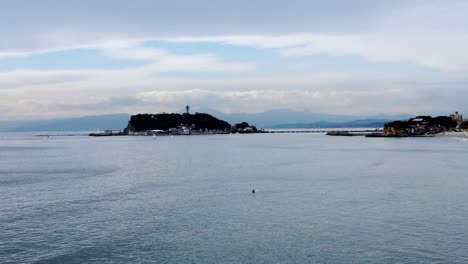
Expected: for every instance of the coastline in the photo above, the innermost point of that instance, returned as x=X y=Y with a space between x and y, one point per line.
x=454 y=134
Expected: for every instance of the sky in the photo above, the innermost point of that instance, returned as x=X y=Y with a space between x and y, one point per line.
x=358 y=57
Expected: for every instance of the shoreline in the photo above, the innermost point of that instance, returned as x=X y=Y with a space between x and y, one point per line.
x=454 y=134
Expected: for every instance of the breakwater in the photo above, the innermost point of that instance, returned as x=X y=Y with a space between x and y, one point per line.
x=330 y=132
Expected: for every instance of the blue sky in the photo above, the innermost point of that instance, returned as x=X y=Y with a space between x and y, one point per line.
x=358 y=57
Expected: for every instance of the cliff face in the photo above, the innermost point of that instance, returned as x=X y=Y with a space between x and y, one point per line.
x=396 y=129
x=418 y=126
x=165 y=122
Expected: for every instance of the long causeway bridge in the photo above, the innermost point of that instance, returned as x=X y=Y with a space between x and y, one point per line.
x=324 y=131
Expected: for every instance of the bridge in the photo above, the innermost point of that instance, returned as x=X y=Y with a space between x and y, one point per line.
x=326 y=131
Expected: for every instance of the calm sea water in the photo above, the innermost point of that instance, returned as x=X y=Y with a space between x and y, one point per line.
x=188 y=199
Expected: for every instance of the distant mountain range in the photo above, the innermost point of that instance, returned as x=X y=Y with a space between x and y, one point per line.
x=362 y=123
x=271 y=119
x=86 y=123
x=284 y=118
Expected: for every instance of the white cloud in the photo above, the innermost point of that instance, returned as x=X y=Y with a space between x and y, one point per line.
x=162 y=61
x=156 y=61
x=431 y=34
x=366 y=101
x=428 y=33
x=119 y=91
x=56 y=23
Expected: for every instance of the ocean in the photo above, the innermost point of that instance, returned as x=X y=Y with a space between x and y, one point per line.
x=188 y=199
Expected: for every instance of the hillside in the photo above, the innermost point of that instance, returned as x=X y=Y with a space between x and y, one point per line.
x=165 y=122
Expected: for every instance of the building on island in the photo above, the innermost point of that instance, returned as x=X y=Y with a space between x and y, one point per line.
x=457 y=118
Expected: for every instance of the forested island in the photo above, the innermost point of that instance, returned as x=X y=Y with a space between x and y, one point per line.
x=414 y=127
x=419 y=126
x=179 y=124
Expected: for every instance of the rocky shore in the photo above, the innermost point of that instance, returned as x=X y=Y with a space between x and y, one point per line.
x=454 y=134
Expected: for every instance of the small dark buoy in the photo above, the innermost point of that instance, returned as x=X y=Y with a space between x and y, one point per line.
x=253 y=190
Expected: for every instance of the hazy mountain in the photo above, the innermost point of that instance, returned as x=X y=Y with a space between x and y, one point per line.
x=285 y=118
x=86 y=123
x=362 y=123
x=281 y=118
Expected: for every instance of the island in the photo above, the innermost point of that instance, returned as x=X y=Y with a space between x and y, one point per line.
x=179 y=124
x=197 y=123
x=420 y=126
